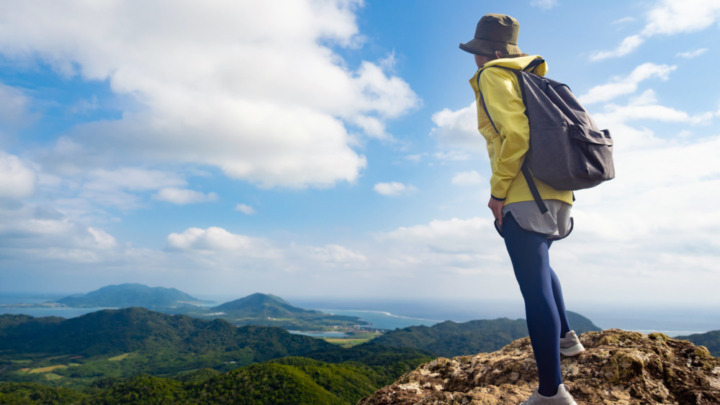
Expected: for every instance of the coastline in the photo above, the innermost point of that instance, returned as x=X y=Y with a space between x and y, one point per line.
x=390 y=315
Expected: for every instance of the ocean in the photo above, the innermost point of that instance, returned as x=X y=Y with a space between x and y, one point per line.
x=393 y=314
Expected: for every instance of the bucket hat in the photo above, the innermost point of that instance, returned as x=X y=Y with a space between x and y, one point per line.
x=494 y=32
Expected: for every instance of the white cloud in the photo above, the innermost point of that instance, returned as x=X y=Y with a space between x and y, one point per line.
x=35 y=234
x=394 y=188
x=458 y=129
x=544 y=4
x=214 y=86
x=216 y=239
x=245 y=209
x=470 y=178
x=626 y=85
x=675 y=17
x=627 y=45
x=668 y=17
x=646 y=107
x=102 y=239
x=691 y=54
x=465 y=256
x=124 y=188
x=183 y=196
x=17 y=180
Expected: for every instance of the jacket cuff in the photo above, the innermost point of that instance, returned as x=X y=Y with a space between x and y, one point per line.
x=495 y=198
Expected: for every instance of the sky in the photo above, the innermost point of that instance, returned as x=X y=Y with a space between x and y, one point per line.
x=329 y=148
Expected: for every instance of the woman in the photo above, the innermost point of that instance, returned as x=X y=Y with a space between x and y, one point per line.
x=527 y=232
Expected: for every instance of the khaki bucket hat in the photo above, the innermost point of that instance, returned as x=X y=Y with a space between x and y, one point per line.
x=494 y=32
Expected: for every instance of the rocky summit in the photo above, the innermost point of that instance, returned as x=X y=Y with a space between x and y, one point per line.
x=618 y=367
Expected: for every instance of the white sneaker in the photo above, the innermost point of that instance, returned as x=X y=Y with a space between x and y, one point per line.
x=562 y=397
x=570 y=345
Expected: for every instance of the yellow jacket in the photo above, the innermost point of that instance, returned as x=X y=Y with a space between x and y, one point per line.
x=507 y=146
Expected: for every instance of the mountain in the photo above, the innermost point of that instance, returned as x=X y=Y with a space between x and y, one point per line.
x=263 y=306
x=131 y=295
x=711 y=340
x=450 y=339
x=617 y=367
x=270 y=310
x=256 y=309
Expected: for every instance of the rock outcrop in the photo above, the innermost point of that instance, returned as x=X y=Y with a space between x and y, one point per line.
x=618 y=367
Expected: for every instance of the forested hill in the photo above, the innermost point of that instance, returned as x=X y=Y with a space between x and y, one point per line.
x=449 y=339
x=132 y=329
x=96 y=358
x=270 y=310
x=263 y=305
x=711 y=340
x=131 y=295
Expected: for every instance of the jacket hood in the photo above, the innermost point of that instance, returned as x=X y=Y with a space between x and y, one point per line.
x=519 y=63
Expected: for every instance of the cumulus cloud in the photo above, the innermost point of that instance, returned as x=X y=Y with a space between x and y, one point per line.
x=183 y=196
x=674 y=17
x=236 y=103
x=17 y=180
x=218 y=248
x=668 y=17
x=393 y=188
x=102 y=239
x=216 y=239
x=628 y=84
x=458 y=129
x=36 y=234
x=245 y=209
x=471 y=178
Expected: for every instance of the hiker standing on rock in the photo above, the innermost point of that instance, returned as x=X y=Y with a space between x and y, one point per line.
x=527 y=232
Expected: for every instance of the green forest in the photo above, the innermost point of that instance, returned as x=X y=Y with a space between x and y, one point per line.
x=135 y=355
x=139 y=356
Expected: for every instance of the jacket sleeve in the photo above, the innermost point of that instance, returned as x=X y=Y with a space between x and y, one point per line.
x=504 y=103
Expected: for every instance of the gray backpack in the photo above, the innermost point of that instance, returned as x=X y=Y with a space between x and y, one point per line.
x=567 y=151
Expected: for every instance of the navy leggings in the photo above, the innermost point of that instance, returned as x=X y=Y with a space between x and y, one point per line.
x=544 y=306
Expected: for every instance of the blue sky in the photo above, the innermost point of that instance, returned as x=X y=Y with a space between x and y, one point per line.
x=329 y=148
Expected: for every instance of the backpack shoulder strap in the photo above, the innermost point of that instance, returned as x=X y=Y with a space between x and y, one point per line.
x=533 y=188
x=532 y=65
x=482 y=99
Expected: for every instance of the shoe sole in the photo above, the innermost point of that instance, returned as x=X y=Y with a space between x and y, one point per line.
x=572 y=350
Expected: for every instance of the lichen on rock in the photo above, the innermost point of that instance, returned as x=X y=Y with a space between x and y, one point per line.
x=618 y=367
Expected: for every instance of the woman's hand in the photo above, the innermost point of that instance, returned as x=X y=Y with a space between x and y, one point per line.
x=496 y=207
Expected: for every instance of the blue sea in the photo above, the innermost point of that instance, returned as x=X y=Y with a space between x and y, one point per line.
x=392 y=314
